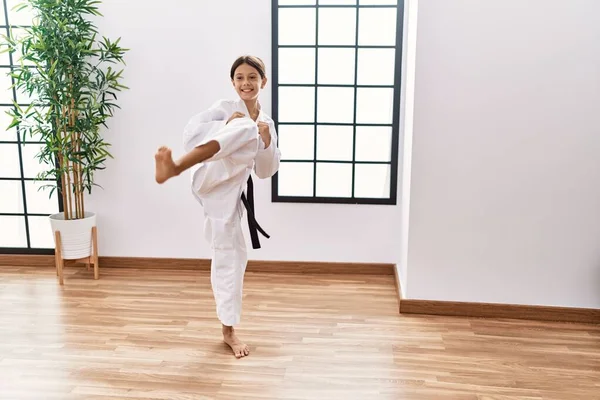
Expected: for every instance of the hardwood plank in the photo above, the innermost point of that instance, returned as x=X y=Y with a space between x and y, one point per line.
x=140 y=333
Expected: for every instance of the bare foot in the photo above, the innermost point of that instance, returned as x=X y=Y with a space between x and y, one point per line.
x=165 y=166
x=239 y=349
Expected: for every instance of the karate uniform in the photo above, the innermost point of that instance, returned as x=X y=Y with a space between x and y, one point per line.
x=219 y=185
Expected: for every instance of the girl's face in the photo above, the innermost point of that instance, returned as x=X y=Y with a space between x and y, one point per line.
x=247 y=82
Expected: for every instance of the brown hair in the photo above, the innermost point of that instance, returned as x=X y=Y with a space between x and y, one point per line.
x=252 y=61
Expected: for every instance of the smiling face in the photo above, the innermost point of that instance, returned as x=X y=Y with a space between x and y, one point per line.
x=248 y=82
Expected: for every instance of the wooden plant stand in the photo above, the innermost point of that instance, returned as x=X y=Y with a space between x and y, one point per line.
x=60 y=262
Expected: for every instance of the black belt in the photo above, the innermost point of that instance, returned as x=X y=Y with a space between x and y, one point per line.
x=252 y=224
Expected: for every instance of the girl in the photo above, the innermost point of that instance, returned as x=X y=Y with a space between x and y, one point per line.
x=223 y=145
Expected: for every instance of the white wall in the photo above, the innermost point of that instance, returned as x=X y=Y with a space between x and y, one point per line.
x=178 y=65
x=503 y=200
x=505 y=193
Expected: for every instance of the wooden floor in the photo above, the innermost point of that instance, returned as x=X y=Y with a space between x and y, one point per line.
x=152 y=334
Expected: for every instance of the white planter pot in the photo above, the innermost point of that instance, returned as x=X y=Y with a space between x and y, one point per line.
x=75 y=235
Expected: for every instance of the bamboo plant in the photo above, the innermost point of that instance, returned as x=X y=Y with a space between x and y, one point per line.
x=69 y=74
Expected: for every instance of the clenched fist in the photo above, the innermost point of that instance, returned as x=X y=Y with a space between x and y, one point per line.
x=265 y=133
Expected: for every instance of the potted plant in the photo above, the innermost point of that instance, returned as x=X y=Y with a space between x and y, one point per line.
x=67 y=70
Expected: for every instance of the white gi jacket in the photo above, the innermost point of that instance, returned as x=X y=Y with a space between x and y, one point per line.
x=224 y=176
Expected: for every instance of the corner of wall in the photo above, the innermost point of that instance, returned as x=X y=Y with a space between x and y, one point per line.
x=399 y=286
x=406 y=127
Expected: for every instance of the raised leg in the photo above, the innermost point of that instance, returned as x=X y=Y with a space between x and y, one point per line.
x=167 y=168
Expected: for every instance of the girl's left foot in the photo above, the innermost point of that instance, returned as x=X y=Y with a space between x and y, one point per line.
x=239 y=349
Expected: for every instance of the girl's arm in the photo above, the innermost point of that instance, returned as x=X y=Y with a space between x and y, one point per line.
x=267 y=161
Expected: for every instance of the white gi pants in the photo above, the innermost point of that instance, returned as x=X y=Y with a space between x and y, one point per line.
x=228 y=266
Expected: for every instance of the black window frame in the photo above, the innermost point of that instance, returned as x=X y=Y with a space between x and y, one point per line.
x=4 y=69
x=397 y=87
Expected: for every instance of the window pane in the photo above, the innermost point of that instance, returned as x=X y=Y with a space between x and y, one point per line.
x=335 y=105
x=5 y=121
x=296 y=65
x=40 y=233
x=336 y=66
x=373 y=143
x=334 y=143
x=374 y=106
x=37 y=137
x=21 y=17
x=372 y=180
x=297 y=142
x=18 y=33
x=31 y=163
x=377 y=26
x=11 y=198
x=38 y=201
x=376 y=66
x=377 y=2
x=336 y=2
x=23 y=97
x=4 y=58
x=9 y=161
x=6 y=93
x=334 y=180
x=295 y=179
x=13 y=232
x=297 y=26
x=296 y=104
x=337 y=26
x=297 y=2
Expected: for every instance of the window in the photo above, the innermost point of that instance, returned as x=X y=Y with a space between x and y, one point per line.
x=336 y=99
x=24 y=209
